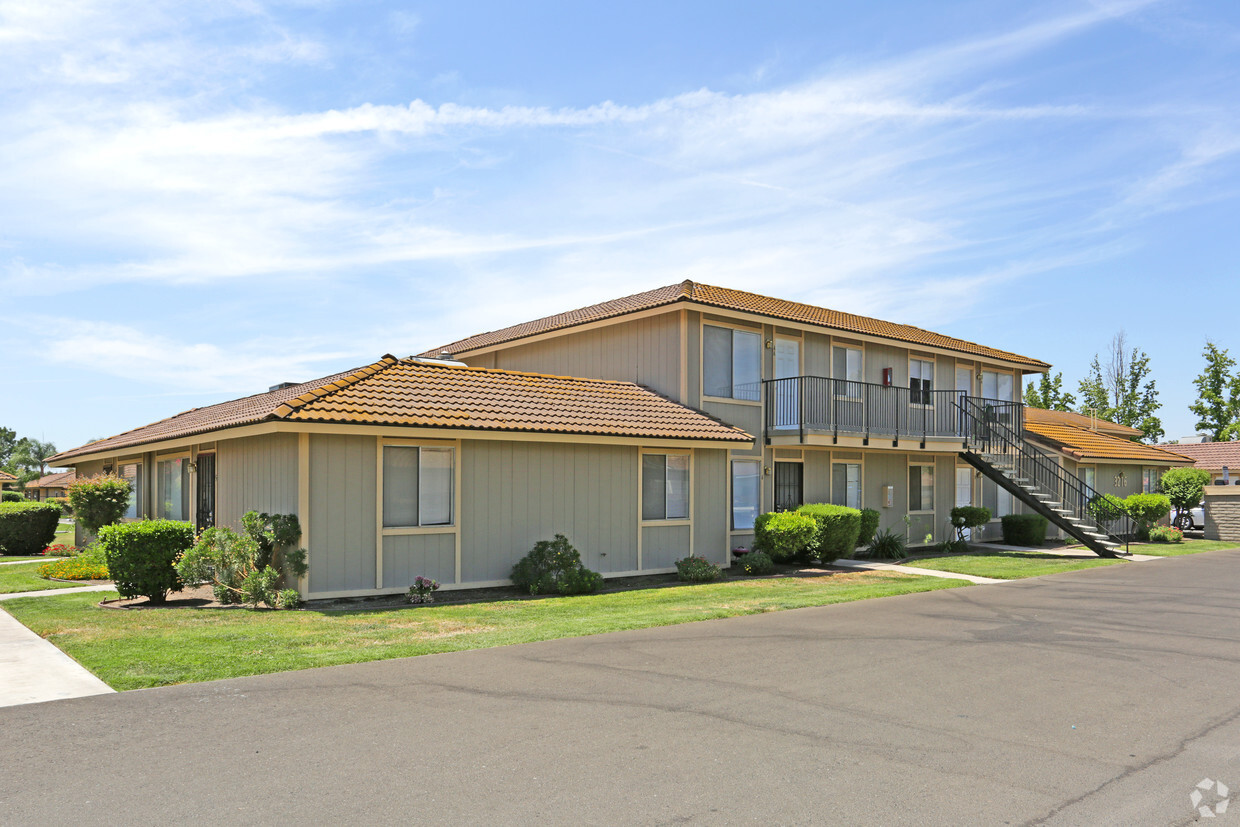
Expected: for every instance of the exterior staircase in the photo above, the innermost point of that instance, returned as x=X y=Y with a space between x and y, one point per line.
x=994 y=444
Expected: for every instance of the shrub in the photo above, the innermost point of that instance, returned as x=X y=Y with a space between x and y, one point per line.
x=1147 y=509
x=869 y=526
x=27 y=528
x=838 y=529
x=554 y=567
x=784 y=535
x=886 y=545
x=289 y=598
x=423 y=590
x=1024 y=529
x=62 y=503
x=1105 y=509
x=250 y=568
x=965 y=517
x=1184 y=487
x=141 y=556
x=11 y=497
x=1166 y=534
x=99 y=501
x=89 y=565
x=755 y=562
x=697 y=570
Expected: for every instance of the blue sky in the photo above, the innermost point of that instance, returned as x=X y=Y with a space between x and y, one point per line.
x=204 y=199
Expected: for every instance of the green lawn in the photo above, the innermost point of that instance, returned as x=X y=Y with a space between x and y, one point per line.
x=4 y=558
x=1186 y=547
x=26 y=578
x=1008 y=565
x=154 y=647
x=64 y=534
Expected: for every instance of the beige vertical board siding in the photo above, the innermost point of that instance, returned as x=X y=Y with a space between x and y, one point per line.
x=878 y=357
x=662 y=546
x=883 y=468
x=694 y=319
x=944 y=496
x=710 y=504
x=342 y=512
x=255 y=474
x=405 y=556
x=816 y=476
x=149 y=508
x=747 y=417
x=1106 y=480
x=817 y=355
x=514 y=494
x=646 y=351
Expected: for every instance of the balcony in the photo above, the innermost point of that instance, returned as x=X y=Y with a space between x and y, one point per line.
x=804 y=405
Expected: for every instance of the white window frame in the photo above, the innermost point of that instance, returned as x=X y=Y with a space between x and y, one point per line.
x=449 y=527
x=761 y=361
x=757 y=506
x=641 y=486
x=187 y=483
x=933 y=489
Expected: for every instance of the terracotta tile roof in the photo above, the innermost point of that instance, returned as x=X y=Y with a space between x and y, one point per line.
x=413 y=393
x=1209 y=455
x=5 y=476
x=446 y=396
x=1076 y=420
x=1084 y=444
x=738 y=300
x=61 y=479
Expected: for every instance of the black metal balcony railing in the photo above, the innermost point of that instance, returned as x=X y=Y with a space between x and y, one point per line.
x=839 y=406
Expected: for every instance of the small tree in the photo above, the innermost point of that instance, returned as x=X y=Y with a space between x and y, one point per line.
x=252 y=567
x=1147 y=510
x=99 y=501
x=965 y=517
x=1184 y=487
x=1218 y=395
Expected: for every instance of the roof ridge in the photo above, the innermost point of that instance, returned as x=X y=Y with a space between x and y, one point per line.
x=286 y=408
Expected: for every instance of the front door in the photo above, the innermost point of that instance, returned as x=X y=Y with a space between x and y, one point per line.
x=964 y=493
x=206 y=491
x=787 y=396
x=788 y=482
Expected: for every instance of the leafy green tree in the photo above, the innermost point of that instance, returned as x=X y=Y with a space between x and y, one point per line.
x=1048 y=393
x=1184 y=487
x=8 y=444
x=1123 y=391
x=1218 y=395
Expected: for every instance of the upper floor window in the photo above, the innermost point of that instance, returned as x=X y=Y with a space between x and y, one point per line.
x=665 y=486
x=417 y=486
x=997 y=385
x=846 y=363
x=920 y=380
x=731 y=363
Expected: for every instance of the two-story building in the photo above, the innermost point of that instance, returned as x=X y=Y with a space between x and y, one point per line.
x=644 y=428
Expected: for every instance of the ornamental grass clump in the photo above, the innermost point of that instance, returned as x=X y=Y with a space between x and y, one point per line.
x=886 y=545
x=697 y=570
x=555 y=567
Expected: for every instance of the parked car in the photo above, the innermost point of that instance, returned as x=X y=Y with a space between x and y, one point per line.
x=1191 y=520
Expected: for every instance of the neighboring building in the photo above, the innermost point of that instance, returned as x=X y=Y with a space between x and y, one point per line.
x=1212 y=457
x=643 y=428
x=50 y=485
x=8 y=482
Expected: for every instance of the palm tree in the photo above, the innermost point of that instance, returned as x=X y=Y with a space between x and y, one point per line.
x=32 y=454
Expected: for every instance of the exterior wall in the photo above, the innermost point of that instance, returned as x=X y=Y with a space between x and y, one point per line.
x=710 y=505
x=1222 y=513
x=342 y=513
x=255 y=474
x=645 y=351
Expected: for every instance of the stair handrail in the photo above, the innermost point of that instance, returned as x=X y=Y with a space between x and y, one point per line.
x=985 y=428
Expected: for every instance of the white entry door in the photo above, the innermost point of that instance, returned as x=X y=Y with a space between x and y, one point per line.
x=787 y=395
x=964 y=492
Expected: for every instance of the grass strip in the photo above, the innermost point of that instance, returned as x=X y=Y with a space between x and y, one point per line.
x=1008 y=565
x=25 y=578
x=156 y=647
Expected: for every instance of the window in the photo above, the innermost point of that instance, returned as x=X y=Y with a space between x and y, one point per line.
x=1149 y=480
x=133 y=473
x=417 y=486
x=846 y=363
x=997 y=386
x=846 y=484
x=665 y=486
x=996 y=499
x=172 y=488
x=920 y=488
x=1089 y=476
x=920 y=380
x=789 y=479
x=746 y=492
x=731 y=363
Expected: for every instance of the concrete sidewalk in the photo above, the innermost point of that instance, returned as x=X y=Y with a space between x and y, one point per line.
x=33 y=670
x=1074 y=551
x=950 y=575
x=53 y=592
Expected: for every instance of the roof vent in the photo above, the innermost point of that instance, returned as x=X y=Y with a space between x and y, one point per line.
x=282 y=386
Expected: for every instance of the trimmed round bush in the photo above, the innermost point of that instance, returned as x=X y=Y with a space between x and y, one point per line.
x=142 y=556
x=11 y=497
x=838 y=529
x=968 y=516
x=784 y=535
x=755 y=562
x=1024 y=529
x=697 y=570
x=869 y=526
x=27 y=528
x=555 y=567
x=99 y=501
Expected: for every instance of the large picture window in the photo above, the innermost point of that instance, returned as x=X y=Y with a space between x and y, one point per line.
x=132 y=472
x=920 y=488
x=417 y=486
x=746 y=493
x=172 y=488
x=846 y=484
x=731 y=363
x=665 y=486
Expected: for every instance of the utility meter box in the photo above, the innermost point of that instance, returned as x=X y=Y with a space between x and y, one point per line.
x=889 y=496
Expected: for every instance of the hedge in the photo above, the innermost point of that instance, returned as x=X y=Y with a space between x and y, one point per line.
x=869 y=526
x=838 y=529
x=784 y=535
x=141 y=556
x=1024 y=529
x=27 y=528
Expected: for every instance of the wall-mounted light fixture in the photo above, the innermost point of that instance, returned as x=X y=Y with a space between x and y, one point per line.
x=770 y=343
x=193 y=466
x=766 y=470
